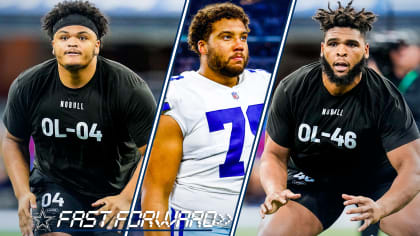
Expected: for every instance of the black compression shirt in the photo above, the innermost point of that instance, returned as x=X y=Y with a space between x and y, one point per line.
x=340 y=136
x=85 y=138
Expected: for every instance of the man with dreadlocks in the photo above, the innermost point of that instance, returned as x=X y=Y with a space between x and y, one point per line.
x=90 y=119
x=340 y=134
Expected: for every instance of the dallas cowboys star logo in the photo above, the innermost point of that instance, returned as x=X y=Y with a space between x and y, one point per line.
x=42 y=221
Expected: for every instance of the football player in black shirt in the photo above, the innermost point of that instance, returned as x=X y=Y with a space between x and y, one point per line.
x=90 y=119
x=340 y=134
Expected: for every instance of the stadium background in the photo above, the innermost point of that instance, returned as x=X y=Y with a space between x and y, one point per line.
x=142 y=36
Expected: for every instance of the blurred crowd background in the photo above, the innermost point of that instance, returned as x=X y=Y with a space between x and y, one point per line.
x=142 y=35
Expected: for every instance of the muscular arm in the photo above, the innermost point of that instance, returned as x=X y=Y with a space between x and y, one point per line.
x=273 y=174
x=273 y=166
x=406 y=161
x=16 y=160
x=129 y=189
x=122 y=201
x=162 y=169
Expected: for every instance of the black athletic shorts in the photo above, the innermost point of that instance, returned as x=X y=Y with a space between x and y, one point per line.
x=52 y=199
x=324 y=199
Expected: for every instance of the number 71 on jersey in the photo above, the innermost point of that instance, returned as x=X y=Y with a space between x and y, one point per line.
x=216 y=120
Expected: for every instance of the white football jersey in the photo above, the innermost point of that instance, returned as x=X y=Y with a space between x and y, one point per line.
x=219 y=125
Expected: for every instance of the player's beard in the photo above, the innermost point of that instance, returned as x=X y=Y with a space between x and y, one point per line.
x=76 y=67
x=343 y=80
x=216 y=63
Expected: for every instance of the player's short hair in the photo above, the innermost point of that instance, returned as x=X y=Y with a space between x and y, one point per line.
x=345 y=17
x=67 y=8
x=202 y=23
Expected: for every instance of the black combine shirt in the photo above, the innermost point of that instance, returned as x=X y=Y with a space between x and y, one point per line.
x=340 y=138
x=85 y=138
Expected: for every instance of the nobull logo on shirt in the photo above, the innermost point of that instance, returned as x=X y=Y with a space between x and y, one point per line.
x=71 y=105
x=332 y=112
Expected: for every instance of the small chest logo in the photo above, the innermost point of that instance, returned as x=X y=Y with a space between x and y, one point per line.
x=235 y=95
x=71 y=105
x=332 y=112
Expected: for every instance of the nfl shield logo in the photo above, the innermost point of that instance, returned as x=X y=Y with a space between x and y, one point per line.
x=235 y=95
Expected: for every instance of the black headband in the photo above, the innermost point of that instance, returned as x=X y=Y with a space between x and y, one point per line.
x=75 y=19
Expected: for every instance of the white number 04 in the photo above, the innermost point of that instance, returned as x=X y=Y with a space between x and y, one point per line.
x=46 y=200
